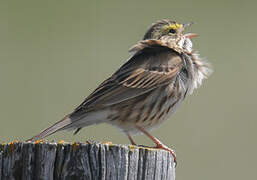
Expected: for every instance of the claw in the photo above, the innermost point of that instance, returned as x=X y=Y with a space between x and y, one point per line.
x=158 y=143
x=171 y=151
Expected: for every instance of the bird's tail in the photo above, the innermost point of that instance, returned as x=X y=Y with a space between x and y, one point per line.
x=60 y=125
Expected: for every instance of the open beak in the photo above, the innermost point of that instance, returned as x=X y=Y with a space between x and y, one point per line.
x=189 y=35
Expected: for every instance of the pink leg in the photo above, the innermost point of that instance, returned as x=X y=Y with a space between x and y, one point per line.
x=158 y=143
x=131 y=139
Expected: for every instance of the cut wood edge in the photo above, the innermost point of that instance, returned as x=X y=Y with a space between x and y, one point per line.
x=89 y=160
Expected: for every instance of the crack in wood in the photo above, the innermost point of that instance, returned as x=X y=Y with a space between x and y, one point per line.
x=89 y=161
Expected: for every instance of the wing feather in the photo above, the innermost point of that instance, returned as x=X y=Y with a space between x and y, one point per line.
x=145 y=71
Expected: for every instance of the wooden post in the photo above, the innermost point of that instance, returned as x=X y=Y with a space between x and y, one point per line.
x=90 y=161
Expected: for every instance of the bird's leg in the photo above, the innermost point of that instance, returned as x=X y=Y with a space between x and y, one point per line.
x=158 y=143
x=131 y=139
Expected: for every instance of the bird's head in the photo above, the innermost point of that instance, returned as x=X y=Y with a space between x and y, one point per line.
x=172 y=31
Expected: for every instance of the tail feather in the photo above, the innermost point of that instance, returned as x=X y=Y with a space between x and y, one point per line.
x=60 y=125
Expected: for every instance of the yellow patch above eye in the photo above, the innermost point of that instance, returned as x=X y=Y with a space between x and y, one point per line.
x=174 y=26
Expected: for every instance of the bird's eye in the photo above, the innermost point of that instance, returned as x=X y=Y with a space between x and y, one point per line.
x=172 y=31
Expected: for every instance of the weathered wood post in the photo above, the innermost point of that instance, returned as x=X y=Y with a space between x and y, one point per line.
x=90 y=161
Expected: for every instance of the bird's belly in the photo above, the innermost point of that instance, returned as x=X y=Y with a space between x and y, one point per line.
x=149 y=112
x=159 y=116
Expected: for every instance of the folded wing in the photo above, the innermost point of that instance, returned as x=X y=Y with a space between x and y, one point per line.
x=149 y=68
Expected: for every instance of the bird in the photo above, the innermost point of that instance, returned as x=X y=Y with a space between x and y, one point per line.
x=146 y=90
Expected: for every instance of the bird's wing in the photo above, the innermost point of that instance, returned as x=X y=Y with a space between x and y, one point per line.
x=150 y=68
x=153 y=65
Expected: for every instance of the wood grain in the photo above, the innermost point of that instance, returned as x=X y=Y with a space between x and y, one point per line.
x=90 y=161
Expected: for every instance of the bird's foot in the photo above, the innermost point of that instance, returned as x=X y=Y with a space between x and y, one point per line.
x=164 y=147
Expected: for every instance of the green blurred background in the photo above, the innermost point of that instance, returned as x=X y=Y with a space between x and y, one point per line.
x=54 y=53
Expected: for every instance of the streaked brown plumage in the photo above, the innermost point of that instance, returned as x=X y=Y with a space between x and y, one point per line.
x=146 y=90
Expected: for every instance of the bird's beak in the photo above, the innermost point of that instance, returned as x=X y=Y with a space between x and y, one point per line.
x=189 y=35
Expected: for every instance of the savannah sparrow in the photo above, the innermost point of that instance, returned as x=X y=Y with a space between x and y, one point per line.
x=146 y=90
